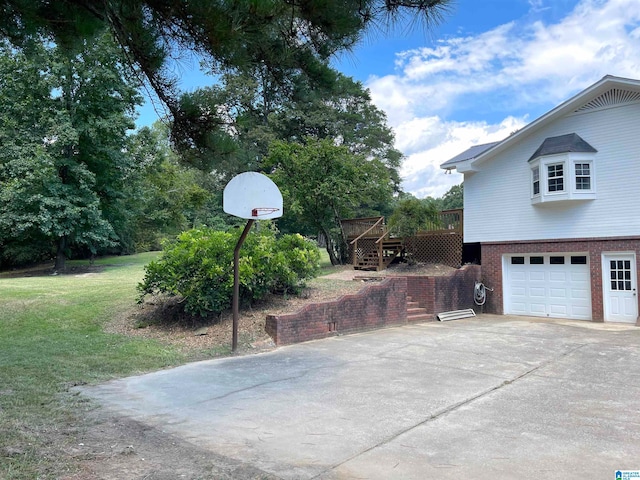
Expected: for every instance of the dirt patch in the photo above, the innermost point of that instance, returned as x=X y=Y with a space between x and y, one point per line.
x=47 y=270
x=397 y=270
x=115 y=448
x=205 y=338
x=161 y=319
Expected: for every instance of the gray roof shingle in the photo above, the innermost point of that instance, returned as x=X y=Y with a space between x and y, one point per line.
x=468 y=154
x=572 y=142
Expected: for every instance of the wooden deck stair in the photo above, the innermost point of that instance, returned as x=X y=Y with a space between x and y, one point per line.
x=391 y=249
x=415 y=313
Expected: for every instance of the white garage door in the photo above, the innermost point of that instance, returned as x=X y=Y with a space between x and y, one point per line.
x=547 y=285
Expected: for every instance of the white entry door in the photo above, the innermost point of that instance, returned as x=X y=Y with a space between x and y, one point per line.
x=620 y=287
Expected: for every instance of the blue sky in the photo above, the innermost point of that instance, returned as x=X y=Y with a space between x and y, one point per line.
x=490 y=68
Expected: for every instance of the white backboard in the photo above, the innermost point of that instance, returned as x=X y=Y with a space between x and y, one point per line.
x=252 y=195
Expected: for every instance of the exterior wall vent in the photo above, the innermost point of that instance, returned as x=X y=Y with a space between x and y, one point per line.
x=615 y=96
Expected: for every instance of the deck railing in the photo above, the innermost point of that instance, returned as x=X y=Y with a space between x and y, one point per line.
x=370 y=227
x=369 y=235
x=449 y=221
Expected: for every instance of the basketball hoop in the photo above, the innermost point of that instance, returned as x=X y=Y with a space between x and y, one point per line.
x=262 y=211
x=238 y=199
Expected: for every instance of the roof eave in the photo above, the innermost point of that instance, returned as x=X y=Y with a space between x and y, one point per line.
x=569 y=105
x=466 y=166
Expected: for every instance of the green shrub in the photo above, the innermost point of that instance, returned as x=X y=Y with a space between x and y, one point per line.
x=198 y=266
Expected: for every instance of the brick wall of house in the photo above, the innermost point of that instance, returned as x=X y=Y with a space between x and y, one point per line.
x=375 y=306
x=492 y=264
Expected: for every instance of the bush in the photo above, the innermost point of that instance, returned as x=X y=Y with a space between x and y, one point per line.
x=198 y=267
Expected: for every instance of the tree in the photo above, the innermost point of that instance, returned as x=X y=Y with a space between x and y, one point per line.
x=279 y=35
x=343 y=113
x=98 y=97
x=165 y=197
x=453 y=198
x=256 y=113
x=322 y=183
x=63 y=126
x=409 y=217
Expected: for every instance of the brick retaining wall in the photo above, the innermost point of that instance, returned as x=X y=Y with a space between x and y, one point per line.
x=447 y=292
x=375 y=306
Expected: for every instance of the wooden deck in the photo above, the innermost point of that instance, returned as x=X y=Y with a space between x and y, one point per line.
x=373 y=248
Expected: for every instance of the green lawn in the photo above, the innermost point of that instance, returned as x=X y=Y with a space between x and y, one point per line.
x=52 y=338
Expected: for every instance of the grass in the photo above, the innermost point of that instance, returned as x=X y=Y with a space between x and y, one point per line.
x=325 y=262
x=52 y=338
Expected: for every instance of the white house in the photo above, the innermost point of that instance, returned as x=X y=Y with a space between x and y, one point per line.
x=555 y=208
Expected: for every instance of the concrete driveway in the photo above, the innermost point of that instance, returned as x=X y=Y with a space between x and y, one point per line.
x=484 y=398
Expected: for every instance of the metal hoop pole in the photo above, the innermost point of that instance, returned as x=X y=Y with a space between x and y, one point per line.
x=236 y=284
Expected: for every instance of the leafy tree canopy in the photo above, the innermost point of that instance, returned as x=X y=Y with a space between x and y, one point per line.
x=453 y=198
x=410 y=216
x=323 y=183
x=63 y=124
x=278 y=35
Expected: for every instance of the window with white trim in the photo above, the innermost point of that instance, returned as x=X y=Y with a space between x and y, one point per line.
x=555 y=177
x=563 y=177
x=583 y=176
x=535 y=180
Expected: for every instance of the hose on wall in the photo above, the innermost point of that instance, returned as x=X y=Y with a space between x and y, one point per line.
x=480 y=293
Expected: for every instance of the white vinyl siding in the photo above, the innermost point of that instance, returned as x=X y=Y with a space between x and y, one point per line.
x=498 y=198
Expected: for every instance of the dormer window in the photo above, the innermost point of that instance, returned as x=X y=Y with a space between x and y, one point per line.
x=564 y=167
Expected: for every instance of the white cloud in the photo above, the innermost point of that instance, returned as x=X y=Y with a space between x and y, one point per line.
x=513 y=69
x=445 y=139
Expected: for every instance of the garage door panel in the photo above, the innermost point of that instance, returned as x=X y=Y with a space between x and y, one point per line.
x=581 y=294
x=519 y=308
x=580 y=313
x=537 y=309
x=537 y=292
x=558 y=290
x=579 y=276
x=556 y=276
x=556 y=310
x=518 y=291
x=536 y=276
x=558 y=293
x=518 y=276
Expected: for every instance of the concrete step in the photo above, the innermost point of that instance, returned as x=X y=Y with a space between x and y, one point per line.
x=423 y=317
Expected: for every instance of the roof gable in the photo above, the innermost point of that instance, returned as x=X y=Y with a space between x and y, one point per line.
x=571 y=142
x=610 y=98
x=607 y=92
